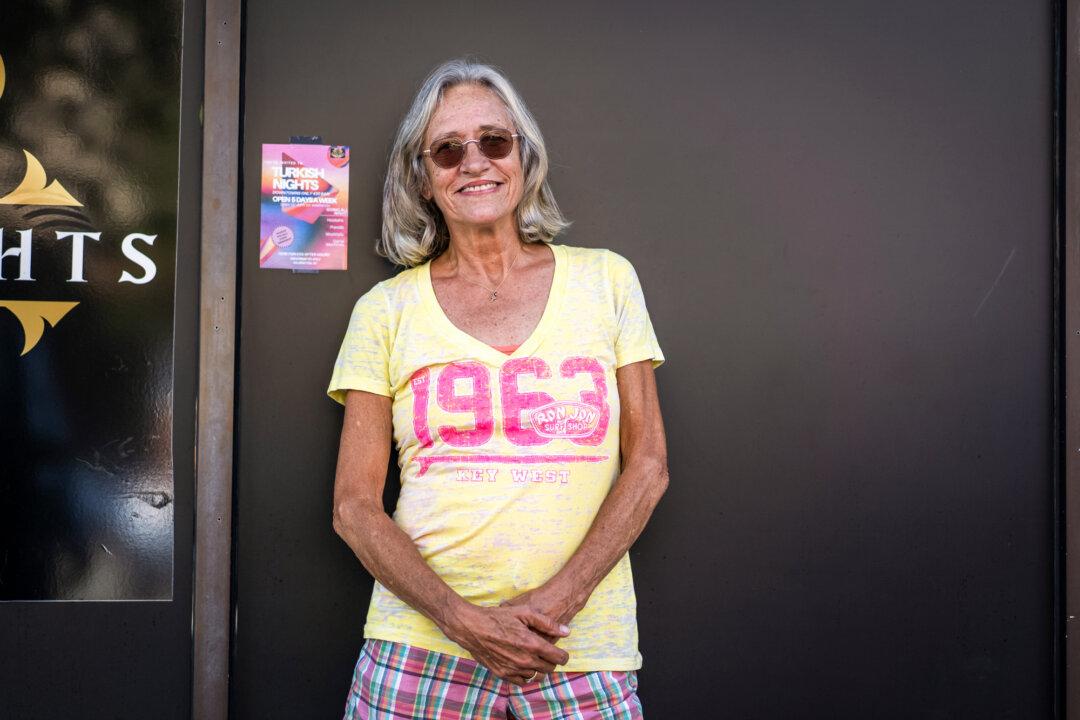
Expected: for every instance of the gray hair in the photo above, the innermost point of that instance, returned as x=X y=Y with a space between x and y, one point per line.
x=413 y=229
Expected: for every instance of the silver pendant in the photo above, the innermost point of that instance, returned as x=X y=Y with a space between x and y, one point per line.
x=494 y=296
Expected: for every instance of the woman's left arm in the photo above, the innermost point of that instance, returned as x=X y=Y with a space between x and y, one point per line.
x=623 y=514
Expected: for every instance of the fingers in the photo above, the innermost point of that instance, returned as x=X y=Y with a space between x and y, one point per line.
x=526 y=678
x=542 y=656
x=510 y=642
x=543 y=647
x=540 y=667
x=532 y=661
x=544 y=624
x=548 y=653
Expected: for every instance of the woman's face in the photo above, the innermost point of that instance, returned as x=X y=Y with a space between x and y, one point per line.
x=480 y=192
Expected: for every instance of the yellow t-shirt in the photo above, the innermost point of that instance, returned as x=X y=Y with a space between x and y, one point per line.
x=505 y=459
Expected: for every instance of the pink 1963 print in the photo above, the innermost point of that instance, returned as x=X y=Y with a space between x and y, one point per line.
x=529 y=418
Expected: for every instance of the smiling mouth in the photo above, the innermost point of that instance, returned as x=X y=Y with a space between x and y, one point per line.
x=479 y=188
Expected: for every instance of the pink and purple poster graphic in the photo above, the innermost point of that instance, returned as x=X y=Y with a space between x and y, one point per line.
x=304 y=218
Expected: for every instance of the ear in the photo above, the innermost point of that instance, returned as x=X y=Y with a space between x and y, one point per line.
x=425 y=191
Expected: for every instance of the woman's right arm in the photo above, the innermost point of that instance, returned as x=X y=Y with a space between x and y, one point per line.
x=498 y=637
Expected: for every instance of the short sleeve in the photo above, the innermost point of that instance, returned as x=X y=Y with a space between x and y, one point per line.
x=635 y=339
x=363 y=363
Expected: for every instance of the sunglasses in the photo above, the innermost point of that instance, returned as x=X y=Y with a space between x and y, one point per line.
x=449 y=152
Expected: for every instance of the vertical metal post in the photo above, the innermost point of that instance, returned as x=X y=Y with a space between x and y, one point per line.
x=1069 y=197
x=217 y=334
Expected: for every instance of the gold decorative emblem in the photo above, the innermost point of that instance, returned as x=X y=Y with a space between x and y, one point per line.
x=32 y=189
x=33 y=314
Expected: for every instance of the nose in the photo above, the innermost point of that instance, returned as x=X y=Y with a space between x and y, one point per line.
x=474 y=160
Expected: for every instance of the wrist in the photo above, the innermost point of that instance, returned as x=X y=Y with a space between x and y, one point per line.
x=571 y=596
x=453 y=617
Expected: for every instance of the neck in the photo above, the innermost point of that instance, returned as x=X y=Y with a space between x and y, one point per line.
x=481 y=253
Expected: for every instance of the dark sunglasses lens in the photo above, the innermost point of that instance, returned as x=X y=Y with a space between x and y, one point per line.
x=447 y=154
x=496 y=145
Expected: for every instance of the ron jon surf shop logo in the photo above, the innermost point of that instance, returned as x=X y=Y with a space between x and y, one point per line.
x=565 y=419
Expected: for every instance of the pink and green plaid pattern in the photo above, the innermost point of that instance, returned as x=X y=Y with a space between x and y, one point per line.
x=394 y=681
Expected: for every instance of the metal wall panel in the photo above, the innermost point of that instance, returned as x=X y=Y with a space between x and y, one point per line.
x=841 y=215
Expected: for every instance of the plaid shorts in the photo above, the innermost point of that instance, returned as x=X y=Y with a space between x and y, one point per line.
x=402 y=682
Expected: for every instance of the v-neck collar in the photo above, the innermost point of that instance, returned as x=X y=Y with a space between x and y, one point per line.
x=479 y=348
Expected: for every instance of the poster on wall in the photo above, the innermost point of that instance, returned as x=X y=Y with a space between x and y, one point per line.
x=89 y=146
x=304 y=212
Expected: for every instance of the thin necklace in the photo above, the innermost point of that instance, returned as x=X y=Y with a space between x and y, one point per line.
x=495 y=291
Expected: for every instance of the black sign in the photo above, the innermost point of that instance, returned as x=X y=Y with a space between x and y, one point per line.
x=89 y=130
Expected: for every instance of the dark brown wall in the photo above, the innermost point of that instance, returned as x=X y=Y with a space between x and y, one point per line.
x=841 y=215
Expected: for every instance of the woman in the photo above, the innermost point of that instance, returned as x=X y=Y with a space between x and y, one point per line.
x=513 y=375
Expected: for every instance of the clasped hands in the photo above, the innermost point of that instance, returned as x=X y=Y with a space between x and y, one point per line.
x=515 y=640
